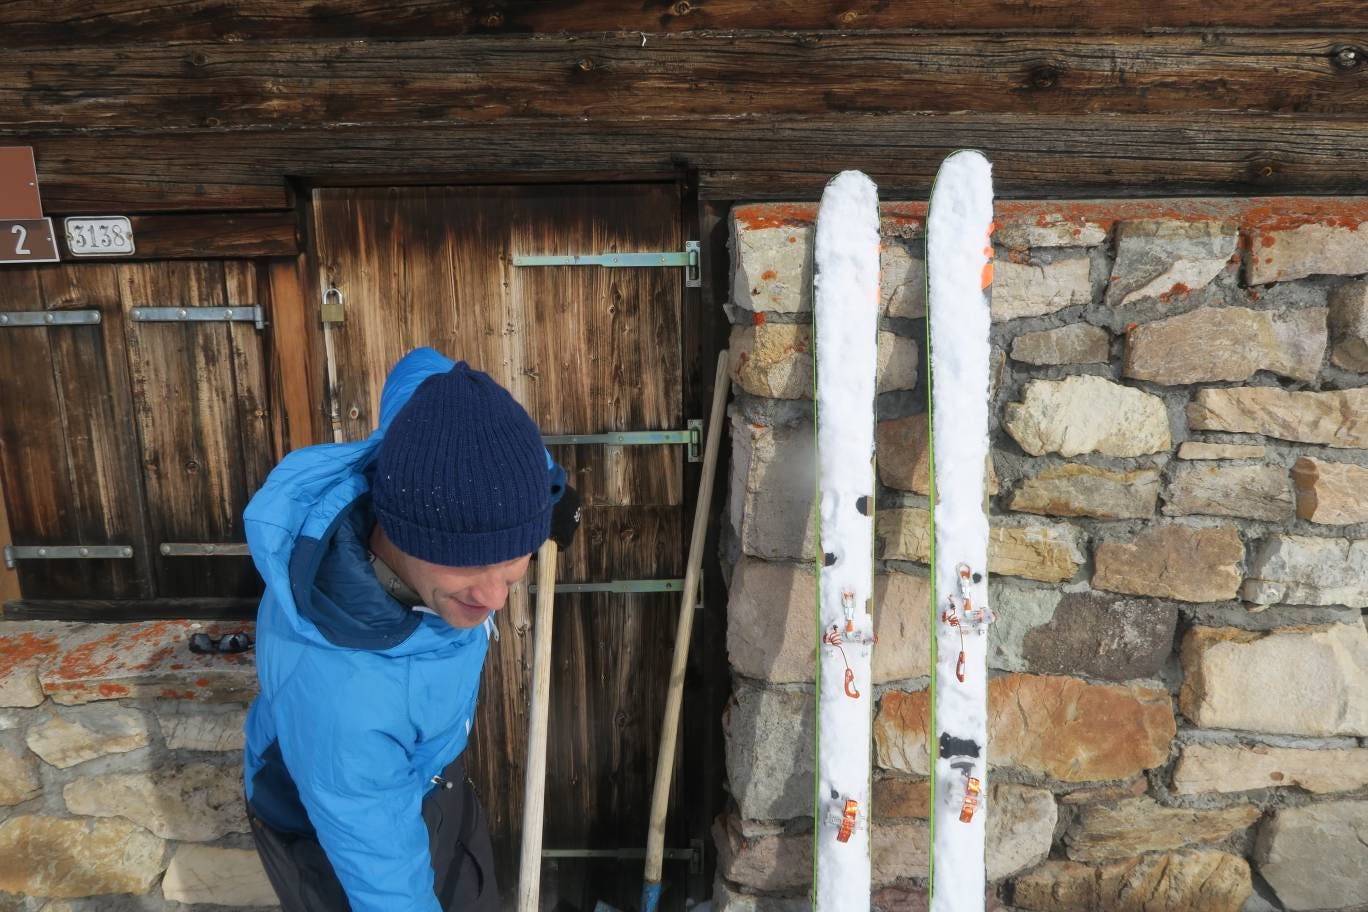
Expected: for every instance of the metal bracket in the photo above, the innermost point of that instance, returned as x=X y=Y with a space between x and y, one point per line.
x=199 y=315
x=693 y=437
x=204 y=549
x=688 y=258
x=621 y=587
x=16 y=553
x=48 y=317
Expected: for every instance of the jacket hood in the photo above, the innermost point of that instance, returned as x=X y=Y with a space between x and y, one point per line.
x=307 y=530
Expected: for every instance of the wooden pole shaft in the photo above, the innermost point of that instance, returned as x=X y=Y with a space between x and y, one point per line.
x=534 y=783
x=669 y=731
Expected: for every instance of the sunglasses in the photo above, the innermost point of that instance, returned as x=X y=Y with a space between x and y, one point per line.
x=229 y=643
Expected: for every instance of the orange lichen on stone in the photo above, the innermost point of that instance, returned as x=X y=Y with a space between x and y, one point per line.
x=26 y=648
x=112 y=690
x=775 y=215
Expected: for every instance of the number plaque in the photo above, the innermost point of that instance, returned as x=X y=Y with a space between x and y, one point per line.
x=103 y=236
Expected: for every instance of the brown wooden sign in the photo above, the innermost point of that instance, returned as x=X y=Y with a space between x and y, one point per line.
x=27 y=241
x=19 y=184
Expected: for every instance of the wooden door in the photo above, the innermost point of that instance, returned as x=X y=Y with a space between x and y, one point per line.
x=585 y=350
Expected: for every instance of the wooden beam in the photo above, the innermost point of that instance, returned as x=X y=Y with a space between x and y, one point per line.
x=205 y=236
x=228 y=609
x=54 y=23
x=763 y=158
x=9 y=579
x=296 y=377
x=489 y=81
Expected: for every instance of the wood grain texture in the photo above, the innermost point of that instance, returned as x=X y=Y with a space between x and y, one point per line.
x=121 y=610
x=66 y=474
x=585 y=350
x=9 y=579
x=1034 y=156
x=549 y=79
x=203 y=458
x=72 y=22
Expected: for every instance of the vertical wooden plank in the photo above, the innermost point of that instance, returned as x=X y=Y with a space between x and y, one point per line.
x=33 y=455
x=296 y=390
x=243 y=281
x=191 y=456
x=91 y=380
x=9 y=579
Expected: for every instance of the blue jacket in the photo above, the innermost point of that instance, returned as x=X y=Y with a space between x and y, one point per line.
x=363 y=700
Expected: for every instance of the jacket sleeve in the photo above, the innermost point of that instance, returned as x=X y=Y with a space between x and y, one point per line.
x=357 y=782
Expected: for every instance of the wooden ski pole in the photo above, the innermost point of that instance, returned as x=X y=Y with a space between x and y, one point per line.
x=669 y=730
x=534 y=782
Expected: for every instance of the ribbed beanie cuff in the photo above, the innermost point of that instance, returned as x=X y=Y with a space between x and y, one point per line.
x=465 y=549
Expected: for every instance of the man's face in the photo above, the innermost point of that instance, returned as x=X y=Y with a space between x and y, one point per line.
x=464 y=596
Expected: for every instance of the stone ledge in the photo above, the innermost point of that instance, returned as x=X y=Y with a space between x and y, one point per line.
x=77 y=663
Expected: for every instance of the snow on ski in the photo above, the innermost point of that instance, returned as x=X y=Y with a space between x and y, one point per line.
x=845 y=315
x=958 y=279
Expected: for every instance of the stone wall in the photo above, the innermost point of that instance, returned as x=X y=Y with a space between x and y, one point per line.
x=1179 y=559
x=121 y=771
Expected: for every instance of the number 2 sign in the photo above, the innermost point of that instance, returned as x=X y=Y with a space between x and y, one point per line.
x=27 y=241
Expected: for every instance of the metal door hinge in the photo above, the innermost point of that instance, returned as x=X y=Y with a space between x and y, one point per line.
x=199 y=315
x=689 y=258
x=204 y=549
x=693 y=438
x=16 y=553
x=12 y=318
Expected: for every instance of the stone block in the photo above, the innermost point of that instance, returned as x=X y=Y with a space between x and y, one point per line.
x=1157 y=258
x=1338 y=418
x=1175 y=562
x=1060 y=727
x=772 y=267
x=1192 y=881
x=760 y=857
x=53 y=857
x=1281 y=255
x=1118 y=830
x=217 y=876
x=774 y=360
x=1075 y=489
x=1228 y=343
x=727 y=898
x=899 y=850
x=773 y=489
x=1025 y=290
x=901 y=447
x=1039 y=551
x=769 y=738
x=1331 y=493
x=1020 y=830
x=1310 y=680
x=1086 y=414
x=204 y=731
x=1077 y=343
x=1314 y=857
x=1308 y=570
x=195 y=802
x=1245 y=491
x=1049 y=230
x=83 y=733
x=771 y=617
x=1193 y=449
x=1101 y=636
x=1226 y=768
x=24 y=648
x=18 y=777
x=1349 y=326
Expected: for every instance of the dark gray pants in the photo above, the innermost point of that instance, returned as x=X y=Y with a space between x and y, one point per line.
x=458 y=838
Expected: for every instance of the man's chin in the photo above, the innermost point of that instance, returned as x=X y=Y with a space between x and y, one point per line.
x=465 y=617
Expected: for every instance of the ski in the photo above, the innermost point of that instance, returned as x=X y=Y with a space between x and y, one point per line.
x=959 y=275
x=845 y=336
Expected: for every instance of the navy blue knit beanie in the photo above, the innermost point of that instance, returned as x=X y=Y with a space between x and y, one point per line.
x=461 y=479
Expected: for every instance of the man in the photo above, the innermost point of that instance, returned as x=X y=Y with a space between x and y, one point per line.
x=385 y=561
